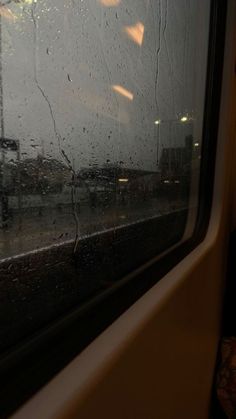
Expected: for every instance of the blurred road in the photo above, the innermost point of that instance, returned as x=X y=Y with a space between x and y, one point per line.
x=34 y=231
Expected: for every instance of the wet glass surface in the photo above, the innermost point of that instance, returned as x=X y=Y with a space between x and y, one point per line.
x=101 y=116
x=101 y=108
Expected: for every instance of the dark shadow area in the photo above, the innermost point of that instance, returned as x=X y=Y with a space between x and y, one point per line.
x=228 y=320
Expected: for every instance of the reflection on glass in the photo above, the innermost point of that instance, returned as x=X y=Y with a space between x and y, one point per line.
x=123 y=92
x=110 y=3
x=135 y=33
x=6 y=13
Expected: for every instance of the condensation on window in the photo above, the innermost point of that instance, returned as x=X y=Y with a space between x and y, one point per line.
x=101 y=108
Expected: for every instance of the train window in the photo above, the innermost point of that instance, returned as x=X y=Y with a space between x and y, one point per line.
x=102 y=119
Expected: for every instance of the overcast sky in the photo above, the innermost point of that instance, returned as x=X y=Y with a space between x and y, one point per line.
x=91 y=77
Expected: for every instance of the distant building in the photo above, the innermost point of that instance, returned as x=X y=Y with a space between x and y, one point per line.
x=38 y=176
x=116 y=183
x=175 y=162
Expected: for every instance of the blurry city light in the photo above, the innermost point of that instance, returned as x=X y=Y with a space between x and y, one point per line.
x=166 y=181
x=123 y=180
x=110 y=3
x=184 y=119
x=157 y=122
x=177 y=181
x=135 y=33
x=122 y=91
x=196 y=144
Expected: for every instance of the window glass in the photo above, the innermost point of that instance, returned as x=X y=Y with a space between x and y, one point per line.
x=100 y=115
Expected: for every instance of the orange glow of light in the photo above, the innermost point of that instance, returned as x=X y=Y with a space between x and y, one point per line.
x=135 y=33
x=7 y=13
x=110 y=3
x=122 y=91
